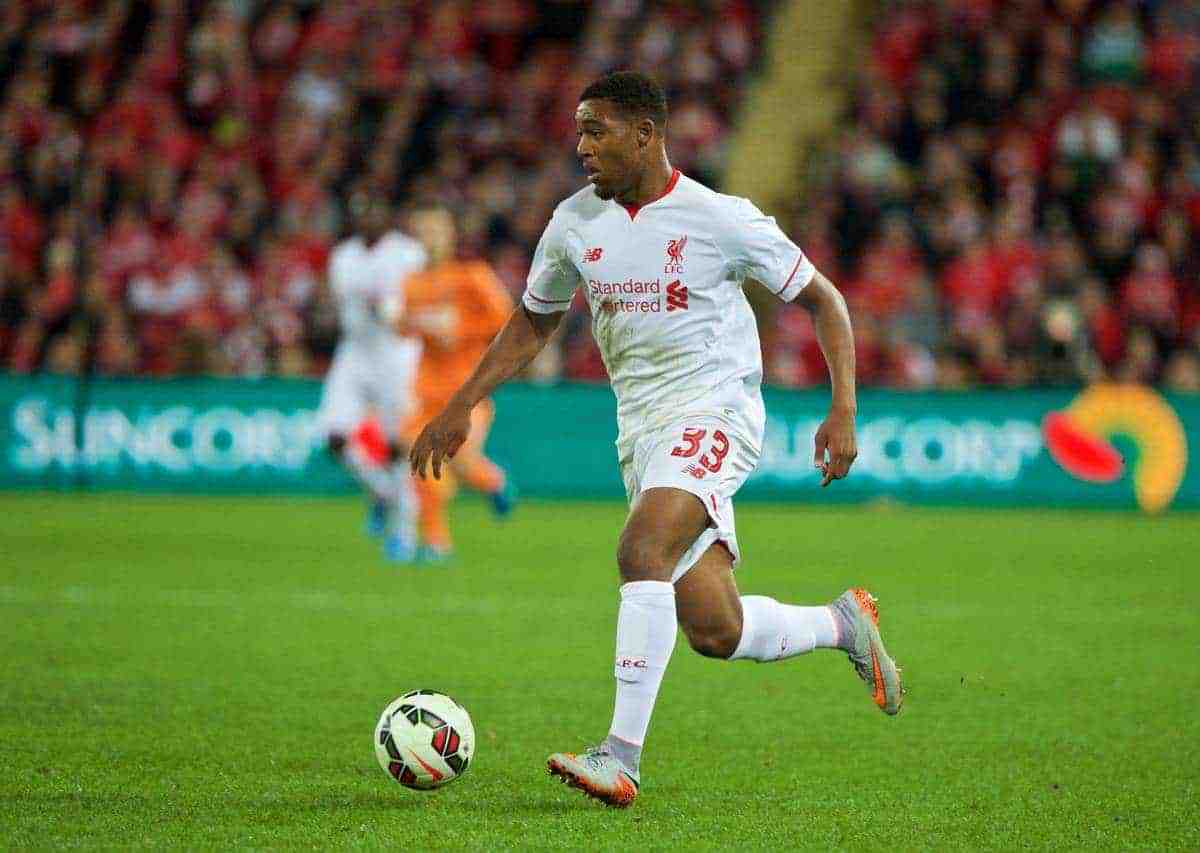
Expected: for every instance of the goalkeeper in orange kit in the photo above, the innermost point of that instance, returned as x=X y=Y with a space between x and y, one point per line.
x=456 y=308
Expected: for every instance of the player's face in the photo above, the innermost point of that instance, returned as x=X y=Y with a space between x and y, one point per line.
x=434 y=229
x=612 y=147
x=373 y=219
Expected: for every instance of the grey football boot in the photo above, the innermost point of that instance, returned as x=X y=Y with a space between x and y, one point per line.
x=859 y=610
x=597 y=773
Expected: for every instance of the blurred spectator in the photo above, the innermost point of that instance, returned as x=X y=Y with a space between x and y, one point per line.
x=193 y=162
x=1013 y=196
x=1045 y=156
x=1183 y=372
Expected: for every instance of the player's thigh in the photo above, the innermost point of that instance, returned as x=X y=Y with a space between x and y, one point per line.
x=704 y=459
x=343 y=395
x=708 y=605
x=662 y=524
x=392 y=386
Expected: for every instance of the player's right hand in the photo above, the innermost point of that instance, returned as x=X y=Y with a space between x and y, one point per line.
x=440 y=440
x=835 y=437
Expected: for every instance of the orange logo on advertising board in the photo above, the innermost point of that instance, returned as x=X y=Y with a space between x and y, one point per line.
x=1078 y=440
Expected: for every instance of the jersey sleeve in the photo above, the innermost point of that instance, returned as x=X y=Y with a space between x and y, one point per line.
x=760 y=250
x=553 y=278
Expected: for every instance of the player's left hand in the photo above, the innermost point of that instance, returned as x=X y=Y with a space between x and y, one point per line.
x=835 y=437
x=440 y=440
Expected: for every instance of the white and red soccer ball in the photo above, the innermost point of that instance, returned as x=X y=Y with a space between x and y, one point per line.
x=424 y=739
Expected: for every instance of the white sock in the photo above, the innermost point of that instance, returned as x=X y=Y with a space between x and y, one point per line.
x=376 y=479
x=645 y=640
x=404 y=504
x=774 y=631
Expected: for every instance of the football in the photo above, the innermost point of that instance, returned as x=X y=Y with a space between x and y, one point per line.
x=424 y=739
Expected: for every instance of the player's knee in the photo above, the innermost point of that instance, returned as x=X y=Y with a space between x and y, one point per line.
x=336 y=444
x=642 y=559
x=715 y=641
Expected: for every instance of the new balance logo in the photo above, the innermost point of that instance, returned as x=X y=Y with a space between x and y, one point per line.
x=675 y=256
x=677 y=296
x=696 y=471
x=590 y=256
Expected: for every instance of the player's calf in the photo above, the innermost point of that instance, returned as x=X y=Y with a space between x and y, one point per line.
x=772 y=630
x=714 y=639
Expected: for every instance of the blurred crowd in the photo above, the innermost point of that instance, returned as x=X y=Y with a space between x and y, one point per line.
x=175 y=173
x=1014 y=198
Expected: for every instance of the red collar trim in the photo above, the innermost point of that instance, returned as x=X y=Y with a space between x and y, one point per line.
x=634 y=208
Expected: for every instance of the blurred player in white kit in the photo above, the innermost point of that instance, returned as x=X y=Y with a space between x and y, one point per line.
x=374 y=368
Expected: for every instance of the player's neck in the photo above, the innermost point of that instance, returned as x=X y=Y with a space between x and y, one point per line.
x=653 y=183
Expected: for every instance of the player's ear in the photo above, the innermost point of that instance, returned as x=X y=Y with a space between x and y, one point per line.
x=645 y=132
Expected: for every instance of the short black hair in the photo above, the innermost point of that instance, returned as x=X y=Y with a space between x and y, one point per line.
x=634 y=92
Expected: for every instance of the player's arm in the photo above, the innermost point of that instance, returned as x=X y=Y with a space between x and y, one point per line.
x=759 y=250
x=522 y=338
x=832 y=321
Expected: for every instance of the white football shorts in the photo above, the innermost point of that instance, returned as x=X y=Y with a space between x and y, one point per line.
x=364 y=379
x=705 y=457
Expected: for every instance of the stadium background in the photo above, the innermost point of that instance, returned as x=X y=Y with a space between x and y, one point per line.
x=1008 y=192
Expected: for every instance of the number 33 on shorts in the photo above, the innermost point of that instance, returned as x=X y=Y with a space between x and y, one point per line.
x=712 y=459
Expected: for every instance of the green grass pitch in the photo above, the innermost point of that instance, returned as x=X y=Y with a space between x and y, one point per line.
x=208 y=671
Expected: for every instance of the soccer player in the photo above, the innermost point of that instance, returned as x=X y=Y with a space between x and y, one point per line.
x=455 y=308
x=661 y=261
x=373 y=367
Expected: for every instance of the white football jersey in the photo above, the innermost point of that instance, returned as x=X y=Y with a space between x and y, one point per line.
x=367 y=282
x=664 y=283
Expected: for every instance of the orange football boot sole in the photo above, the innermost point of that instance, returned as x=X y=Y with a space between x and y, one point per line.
x=621 y=798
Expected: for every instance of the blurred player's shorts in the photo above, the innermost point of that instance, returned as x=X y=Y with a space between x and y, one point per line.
x=369 y=378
